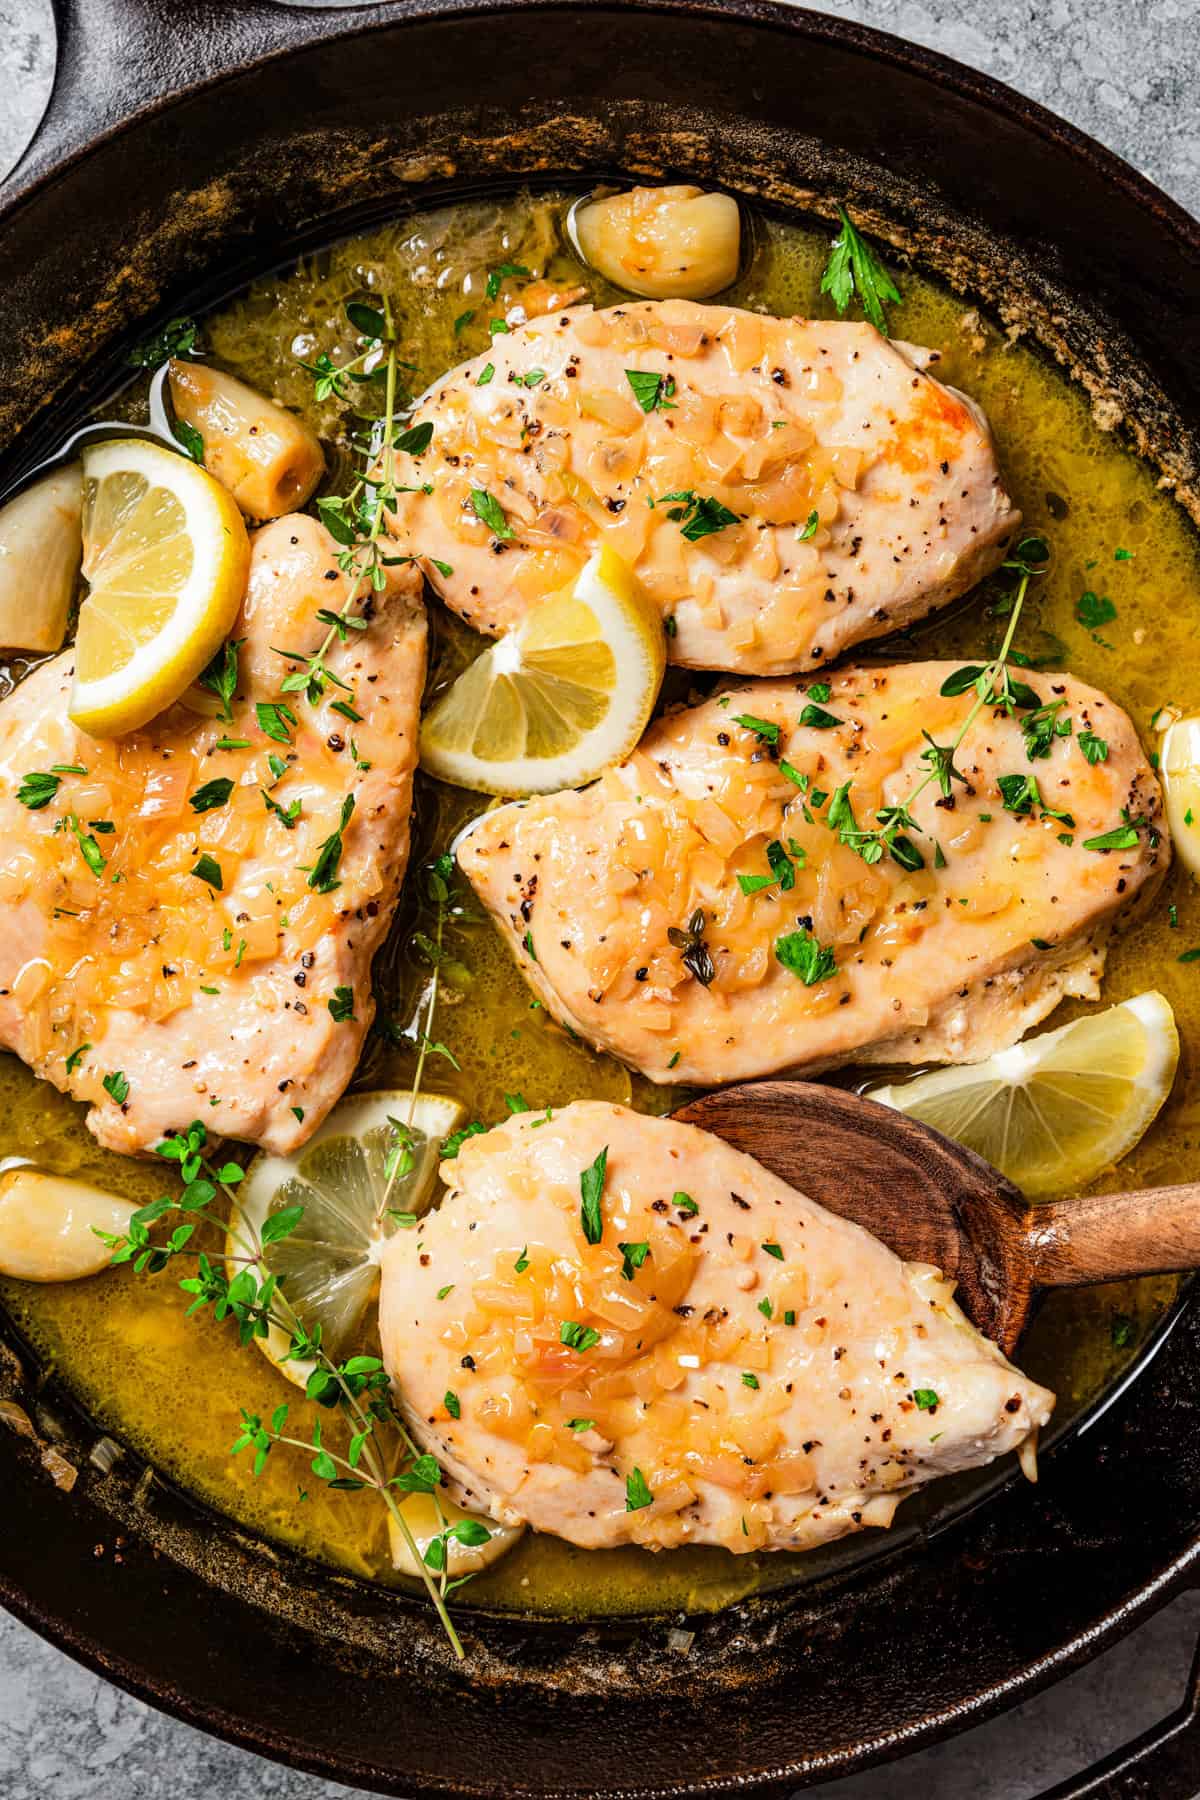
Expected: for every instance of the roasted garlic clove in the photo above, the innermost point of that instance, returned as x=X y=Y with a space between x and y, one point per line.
x=48 y=1226
x=267 y=457
x=40 y=549
x=667 y=243
x=1179 y=765
x=421 y=1516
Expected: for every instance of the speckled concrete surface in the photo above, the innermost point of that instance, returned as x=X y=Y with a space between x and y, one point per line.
x=1126 y=71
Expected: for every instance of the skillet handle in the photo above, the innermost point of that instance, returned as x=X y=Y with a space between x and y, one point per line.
x=116 y=58
x=1162 y=1764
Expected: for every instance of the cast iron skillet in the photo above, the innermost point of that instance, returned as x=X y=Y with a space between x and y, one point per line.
x=188 y=145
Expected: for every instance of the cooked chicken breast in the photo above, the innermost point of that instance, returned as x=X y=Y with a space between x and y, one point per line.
x=729 y=1364
x=699 y=910
x=866 y=494
x=172 y=932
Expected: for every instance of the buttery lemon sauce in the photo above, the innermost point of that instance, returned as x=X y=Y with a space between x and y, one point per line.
x=171 y=1388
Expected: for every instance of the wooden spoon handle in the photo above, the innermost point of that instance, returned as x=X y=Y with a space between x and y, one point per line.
x=1110 y=1236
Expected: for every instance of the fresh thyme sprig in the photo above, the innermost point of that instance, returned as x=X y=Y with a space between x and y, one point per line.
x=253 y=1297
x=356 y=520
x=994 y=685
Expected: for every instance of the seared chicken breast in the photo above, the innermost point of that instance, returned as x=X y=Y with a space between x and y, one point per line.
x=716 y=1360
x=187 y=920
x=706 y=910
x=782 y=488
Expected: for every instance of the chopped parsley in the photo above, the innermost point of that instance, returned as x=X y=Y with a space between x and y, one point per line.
x=213 y=793
x=576 y=1336
x=1094 y=610
x=341 y=1005
x=637 y=1492
x=764 y=731
x=76 y=1057
x=653 y=393
x=819 y=719
x=775 y=1250
x=591 y=1188
x=1093 y=747
x=804 y=957
x=116 y=1085
x=685 y=1204
x=209 y=869
x=1122 y=837
x=457 y=1139
x=38 y=789
x=274 y=717
x=221 y=676
x=632 y=1258
x=926 y=1399
x=485 y=375
x=698 y=515
x=323 y=876
x=749 y=1380
x=452 y=1403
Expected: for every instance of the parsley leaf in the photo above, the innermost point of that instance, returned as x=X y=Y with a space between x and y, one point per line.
x=116 y=1085
x=591 y=1187
x=1094 y=610
x=653 y=393
x=213 y=793
x=764 y=731
x=209 y=869
x=926 y=1399
x=637 y=1492
x=322 y=877
x=38 y=789
x=854 y=268
x=1093 y=747
x=803 y=956
x=341 y=1006
x=633 y=1256
x=221 y=676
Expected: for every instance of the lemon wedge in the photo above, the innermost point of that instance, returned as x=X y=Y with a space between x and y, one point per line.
x=328 y=1267
x=558 y=700
x=1051 y=1112
x=1179 y=763
x=166 y=556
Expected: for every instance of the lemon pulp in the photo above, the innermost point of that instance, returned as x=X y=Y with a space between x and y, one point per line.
x=166 y=556
x=558 y=700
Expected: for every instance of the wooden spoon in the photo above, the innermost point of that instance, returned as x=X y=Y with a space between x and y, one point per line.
x=932 y=1201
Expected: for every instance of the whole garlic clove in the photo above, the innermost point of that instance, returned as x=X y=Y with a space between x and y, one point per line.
x=48 y=1226
x=41 y=545
x=665 y=243
x=268 y=458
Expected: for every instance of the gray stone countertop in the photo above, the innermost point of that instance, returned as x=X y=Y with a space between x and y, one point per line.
x=1127 y=72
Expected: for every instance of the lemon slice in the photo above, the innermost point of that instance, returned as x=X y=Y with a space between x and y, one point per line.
x=329 y=1265
x=1052 y=1112
x=166 y=556
x=559 y=699
x=424 y=1517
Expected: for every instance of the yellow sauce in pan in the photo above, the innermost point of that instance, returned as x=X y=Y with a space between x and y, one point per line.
x=170 y=1387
